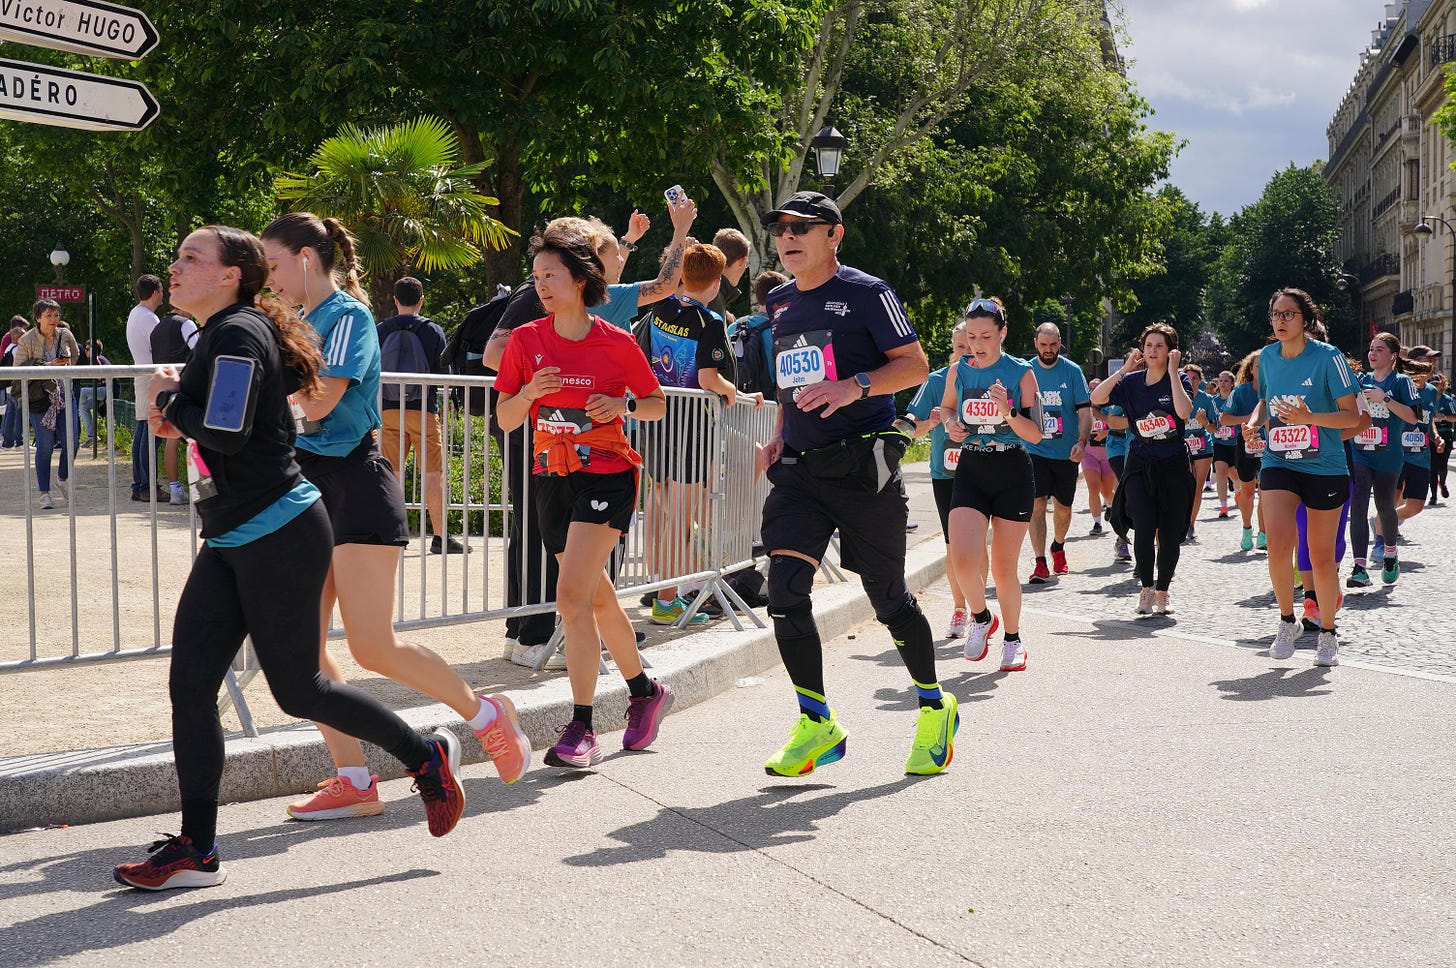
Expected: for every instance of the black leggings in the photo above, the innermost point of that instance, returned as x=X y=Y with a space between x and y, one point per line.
x=1159 y=501
x=1364 y=479
x=270 y=590
x=1440 y=460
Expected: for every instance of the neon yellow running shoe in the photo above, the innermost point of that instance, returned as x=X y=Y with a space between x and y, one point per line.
x=934 y=745
x=811 y=744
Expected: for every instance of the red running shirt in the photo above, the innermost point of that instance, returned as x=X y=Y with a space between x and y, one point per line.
x=608 y=361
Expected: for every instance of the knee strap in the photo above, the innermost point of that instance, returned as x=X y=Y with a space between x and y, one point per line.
x=905 y=619
x=790 y=583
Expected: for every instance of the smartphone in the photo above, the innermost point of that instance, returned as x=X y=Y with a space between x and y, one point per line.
x=673 y=194
x=227 y=398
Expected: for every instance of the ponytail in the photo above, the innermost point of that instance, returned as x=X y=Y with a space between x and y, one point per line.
x=346 y=272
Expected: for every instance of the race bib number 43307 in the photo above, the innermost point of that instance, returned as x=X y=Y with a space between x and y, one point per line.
x=981 y=412
x=803 y=359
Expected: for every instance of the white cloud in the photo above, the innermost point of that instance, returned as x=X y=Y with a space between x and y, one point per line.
x=1262 y=75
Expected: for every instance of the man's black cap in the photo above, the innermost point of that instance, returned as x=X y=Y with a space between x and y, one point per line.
x=807 y=205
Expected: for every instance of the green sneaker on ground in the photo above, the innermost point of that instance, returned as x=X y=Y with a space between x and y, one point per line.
x=666 y=613
x=811 y=744
x=935 y=732
x=1246 y=543
x=1261 y=541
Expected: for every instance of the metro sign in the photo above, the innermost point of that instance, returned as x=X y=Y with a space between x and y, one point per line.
x=78 y=26
x=64 y=294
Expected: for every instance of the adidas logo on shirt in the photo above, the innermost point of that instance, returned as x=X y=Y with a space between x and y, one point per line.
x=1307 y=382
x=799 y=343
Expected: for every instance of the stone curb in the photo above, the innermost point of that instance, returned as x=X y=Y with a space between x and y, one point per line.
x=88 y=786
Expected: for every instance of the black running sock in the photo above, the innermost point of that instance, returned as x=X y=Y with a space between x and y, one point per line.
x=983 y=616
x=1330 y=630
x=1287 y=618
x=640 y=686
x=1390 y=561
x=582 y=714
x=199 y=823
x=1309 y=595
x=916 y=644
x=1013 y=636
x=1057 y=546
x=414 y=751
x=803 y=657
x=1040 y=560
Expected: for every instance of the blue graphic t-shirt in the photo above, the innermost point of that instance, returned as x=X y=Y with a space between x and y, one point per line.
x=942 y=461
x=1416 y=441
x=687 y=337
x=974 y=406
x=1321 y=378
x=1199 y=440
x=1063 y=390
x=833 y=332
x=1379 y=446
x=351 y=352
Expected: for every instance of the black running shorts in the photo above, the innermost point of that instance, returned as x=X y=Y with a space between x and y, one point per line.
x=802 y=512
x=1415 y=481
x=1052 y=478
x=361 y=494
x=942 y=487
x=999 y=484
x=1318 y=492
x=582 y=496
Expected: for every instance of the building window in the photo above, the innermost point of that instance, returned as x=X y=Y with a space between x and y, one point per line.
x=1413 y=179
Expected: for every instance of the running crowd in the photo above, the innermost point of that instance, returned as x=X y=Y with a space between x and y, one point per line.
x=279 y=415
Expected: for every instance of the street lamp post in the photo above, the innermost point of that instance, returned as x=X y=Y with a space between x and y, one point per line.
x=828 y=147
x=1425 y=229
x=1350 y=286
x=60 y=258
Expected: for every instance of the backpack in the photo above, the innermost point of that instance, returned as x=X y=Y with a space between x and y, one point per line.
x=465 y=349
x=402 y=352
x=751 y=339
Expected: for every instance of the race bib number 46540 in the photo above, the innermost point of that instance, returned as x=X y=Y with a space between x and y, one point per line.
x=803 y=359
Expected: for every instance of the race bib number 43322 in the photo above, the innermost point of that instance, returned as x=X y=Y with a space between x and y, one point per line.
x=803 y=359
x=1293 y=440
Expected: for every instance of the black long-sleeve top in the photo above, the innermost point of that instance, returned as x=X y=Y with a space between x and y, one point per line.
x=252 y=467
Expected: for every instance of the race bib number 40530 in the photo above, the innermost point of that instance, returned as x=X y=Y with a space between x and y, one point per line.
x=803 y=359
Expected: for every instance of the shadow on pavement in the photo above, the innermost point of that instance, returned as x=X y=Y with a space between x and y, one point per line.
x=771 y=818
x=1276 y=684
x=970 y=686
x=124 y=916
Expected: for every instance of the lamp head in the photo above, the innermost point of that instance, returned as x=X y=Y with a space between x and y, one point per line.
x=60 y=257
x=828 y=147
x=1424 y=228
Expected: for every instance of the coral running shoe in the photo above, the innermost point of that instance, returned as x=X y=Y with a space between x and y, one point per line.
x=1059 y=563
x=504 y=741
x=338 y=798
x=1039 y=574
x=438 y=783
x=174 y=862
x=1146 y=599
x=1013 y=656
x=935 y=731
x=811 y=744
x=577 y=748
x=644 y=715
x=1311 y=618
x=978 y=642
x=958 y=621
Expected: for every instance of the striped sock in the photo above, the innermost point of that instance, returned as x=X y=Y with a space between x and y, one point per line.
x=929 y=694
x=811 y=704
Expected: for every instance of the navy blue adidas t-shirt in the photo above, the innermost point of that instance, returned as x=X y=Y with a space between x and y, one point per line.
x=832 y=332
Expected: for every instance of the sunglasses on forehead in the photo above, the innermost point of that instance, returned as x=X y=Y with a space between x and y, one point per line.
x=978 y=306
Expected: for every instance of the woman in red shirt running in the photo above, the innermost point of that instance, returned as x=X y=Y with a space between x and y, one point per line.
x=576 y=377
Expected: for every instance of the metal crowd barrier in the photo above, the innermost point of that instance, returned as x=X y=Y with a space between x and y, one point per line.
x=124 y=563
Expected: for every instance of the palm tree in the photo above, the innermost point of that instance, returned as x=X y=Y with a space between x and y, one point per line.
x=402 y=192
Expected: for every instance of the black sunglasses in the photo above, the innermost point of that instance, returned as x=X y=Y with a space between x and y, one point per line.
x=985 y=306
x=777 y=229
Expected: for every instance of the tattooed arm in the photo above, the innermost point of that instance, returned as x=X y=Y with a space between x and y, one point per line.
x=682 y=214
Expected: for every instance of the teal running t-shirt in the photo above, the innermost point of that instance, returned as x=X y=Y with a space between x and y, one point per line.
x=351 y=352
x=1416 y=440
x=1063 y=391
x=1320 y=377
x=982 y=418
x=942 y=463
x=1379 y=446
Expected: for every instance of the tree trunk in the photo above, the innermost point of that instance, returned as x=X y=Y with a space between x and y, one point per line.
x=138 y=242
x=504 y=266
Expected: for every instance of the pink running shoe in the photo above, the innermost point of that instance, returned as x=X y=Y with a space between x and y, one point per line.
x=338 y=798
x=644 y=715
x=577 y=747
x=503 y=740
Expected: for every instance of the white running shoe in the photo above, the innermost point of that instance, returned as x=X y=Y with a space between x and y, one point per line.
x=1146 y=598
x=958 y=622
x=528 y=656
x=1327 y=652
x=1283 y=646
x=46 y=503
x=978 y=640
x=1013 y=656
x=1162 y=603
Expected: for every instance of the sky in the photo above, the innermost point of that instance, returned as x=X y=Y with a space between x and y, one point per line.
x=1250 y=84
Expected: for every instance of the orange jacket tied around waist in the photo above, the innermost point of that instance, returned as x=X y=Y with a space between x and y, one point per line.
x=559 y=450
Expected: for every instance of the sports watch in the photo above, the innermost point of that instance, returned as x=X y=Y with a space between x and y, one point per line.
x=863 y=379
x=631 y=405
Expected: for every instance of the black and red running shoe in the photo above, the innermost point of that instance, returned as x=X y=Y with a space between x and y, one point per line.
x=174 y=862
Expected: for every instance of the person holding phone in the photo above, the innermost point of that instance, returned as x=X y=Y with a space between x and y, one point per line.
x=576 y=378
x=265 y=554
x=48 y=344
x=339 y=453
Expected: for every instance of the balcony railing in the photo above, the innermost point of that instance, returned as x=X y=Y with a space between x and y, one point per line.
x=1443 y=50
x=1383 y=206
x=1379 y=267
x=1429 y=301
x=1403 y=303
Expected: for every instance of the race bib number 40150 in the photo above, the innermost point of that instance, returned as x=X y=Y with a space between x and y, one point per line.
x=803 y=359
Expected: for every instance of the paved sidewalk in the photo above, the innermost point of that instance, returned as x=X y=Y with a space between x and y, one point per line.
x=1126 y=801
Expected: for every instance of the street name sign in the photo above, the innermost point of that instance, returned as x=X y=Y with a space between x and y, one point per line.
x=71 y=99
x=78 y=26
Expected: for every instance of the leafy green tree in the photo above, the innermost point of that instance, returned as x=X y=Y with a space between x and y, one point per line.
x=1286 y=238
x=402 y=192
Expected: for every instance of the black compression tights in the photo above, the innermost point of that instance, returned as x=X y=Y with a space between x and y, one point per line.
x=1159 y=533
x=269 y=589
